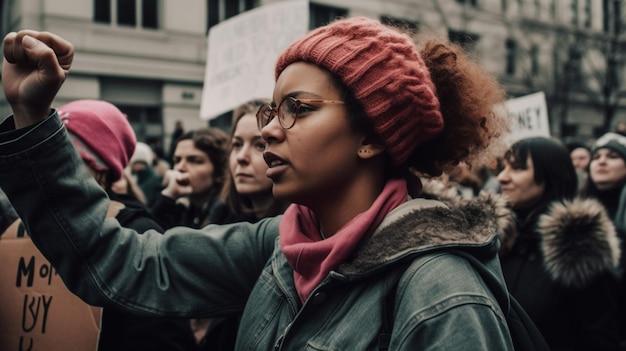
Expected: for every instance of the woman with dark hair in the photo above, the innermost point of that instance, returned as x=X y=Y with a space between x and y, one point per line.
x=193 y=184
x=560 y=263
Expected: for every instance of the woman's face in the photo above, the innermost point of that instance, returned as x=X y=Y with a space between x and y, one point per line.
x=247 y=165
x=316 y=158
x=580 y=158
x=197 y=164
x=607 y=169
x=518 y=184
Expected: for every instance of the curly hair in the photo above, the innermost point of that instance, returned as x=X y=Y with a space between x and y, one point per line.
x=472 y=106
x=472 y=102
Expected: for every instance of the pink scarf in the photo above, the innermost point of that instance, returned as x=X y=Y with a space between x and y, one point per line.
x=313 y=258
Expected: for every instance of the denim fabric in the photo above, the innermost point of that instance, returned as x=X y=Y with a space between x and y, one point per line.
x=442 y=303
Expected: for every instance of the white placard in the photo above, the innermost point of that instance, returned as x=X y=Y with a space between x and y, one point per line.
x=242 y=52
x=529 y=116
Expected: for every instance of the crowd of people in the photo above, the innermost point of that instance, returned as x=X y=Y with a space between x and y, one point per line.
x=376 y=168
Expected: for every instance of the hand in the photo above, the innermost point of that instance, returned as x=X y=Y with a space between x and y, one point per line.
x=35 y=66
x=177 y=184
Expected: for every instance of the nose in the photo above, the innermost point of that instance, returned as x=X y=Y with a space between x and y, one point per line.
x=503 y=176
x=273 y=131
x=243 y=155
x=180 y=166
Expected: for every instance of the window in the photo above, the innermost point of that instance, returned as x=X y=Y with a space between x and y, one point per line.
x=220 y=10
x=573 y=67
x=407 y=25
x=511 y=52
x=588 y=14
x=474 y=3
x=574 y=8
x=145 y=120
x=534 y=60
x=130 y=13
x=464 y=39
x=320 y=15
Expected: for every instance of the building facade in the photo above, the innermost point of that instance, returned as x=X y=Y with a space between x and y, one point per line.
x=148 y=56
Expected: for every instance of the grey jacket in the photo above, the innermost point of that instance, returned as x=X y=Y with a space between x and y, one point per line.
x=441 y=303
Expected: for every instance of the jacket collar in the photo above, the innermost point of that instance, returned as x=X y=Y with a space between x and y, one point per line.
x=423 y=225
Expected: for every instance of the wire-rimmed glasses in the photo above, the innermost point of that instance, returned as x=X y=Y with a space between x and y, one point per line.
x=287 y=111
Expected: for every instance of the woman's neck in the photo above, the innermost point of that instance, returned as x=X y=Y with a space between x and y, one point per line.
x=344 y=203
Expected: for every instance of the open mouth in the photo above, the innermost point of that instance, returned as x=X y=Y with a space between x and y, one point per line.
x=272 y=160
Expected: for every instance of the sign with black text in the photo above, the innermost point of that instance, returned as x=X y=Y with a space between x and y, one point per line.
x=529 y=116
x=37 y=311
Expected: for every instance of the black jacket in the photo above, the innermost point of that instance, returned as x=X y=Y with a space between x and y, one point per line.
x=562 y=270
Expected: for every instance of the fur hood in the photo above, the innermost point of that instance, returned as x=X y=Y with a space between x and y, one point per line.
x=422 y=225
x=578 y=239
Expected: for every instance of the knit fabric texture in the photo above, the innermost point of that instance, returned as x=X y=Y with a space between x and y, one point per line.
x=612 y=141
x=104 y=129
x=384 y=71
x=143 y=153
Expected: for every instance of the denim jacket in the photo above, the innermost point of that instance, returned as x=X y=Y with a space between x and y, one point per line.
x=441 y=302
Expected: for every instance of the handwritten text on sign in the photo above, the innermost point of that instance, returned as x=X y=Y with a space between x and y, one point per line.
x=529 y=116
x=37 y=311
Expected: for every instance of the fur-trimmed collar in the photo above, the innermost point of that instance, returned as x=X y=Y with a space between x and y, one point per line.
x=578 y=239
x=422 y=225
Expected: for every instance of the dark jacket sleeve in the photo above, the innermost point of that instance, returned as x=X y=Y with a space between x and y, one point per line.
x=7 y=213
x=183 y=272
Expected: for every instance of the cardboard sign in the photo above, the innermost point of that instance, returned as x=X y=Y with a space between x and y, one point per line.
x=37 y=311
x=529 y=116
x=242 y=52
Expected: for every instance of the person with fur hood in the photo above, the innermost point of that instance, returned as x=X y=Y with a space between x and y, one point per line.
x=560 y=262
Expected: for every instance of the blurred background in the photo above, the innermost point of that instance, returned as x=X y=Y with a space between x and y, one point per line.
x=148 y=57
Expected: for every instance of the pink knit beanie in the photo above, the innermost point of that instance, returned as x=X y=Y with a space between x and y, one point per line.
x=385 y=73
x=101 y=133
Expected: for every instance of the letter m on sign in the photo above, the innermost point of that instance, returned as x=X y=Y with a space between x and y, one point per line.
x=25 y=270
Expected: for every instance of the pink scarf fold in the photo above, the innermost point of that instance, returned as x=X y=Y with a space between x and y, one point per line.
x=313 y=258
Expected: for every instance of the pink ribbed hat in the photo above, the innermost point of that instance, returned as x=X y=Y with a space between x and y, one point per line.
x=104 y=130
x=385 y=73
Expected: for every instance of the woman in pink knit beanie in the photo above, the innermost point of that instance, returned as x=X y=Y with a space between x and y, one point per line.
x=358 y=261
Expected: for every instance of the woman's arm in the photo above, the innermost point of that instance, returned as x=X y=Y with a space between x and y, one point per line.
x=185 y=272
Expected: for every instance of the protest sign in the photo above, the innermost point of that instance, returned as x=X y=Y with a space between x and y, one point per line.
x=529 y=116
x=37 y=311
x=242 y=52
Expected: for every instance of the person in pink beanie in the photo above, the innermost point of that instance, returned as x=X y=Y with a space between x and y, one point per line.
x=358 y=261
x=106 y=141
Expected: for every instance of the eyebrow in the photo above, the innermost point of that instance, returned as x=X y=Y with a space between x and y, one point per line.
x=295 y=94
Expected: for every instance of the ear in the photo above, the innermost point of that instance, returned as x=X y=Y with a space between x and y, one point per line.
x=369 y=150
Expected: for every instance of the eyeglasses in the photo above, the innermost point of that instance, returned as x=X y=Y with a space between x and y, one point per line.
x=287 y=111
